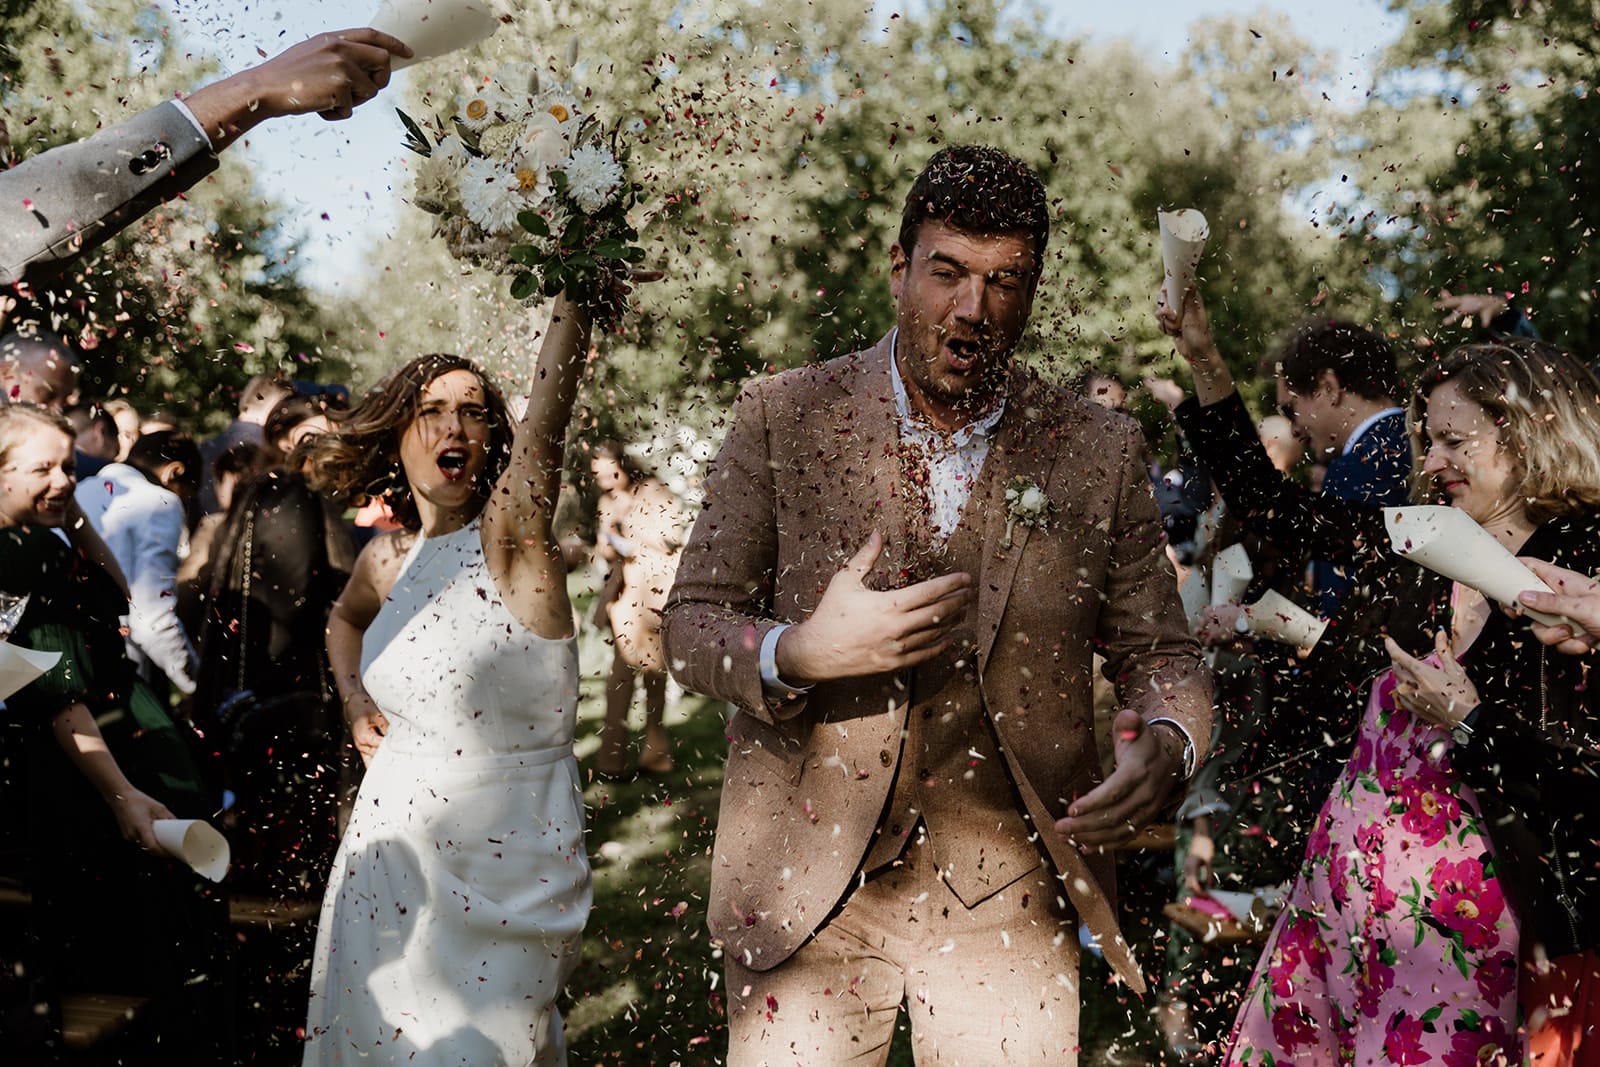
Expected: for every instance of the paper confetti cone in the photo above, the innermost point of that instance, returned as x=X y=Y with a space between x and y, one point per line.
x=434 y=27
x=1230 y=575
x=1446 y=540
x=1183 y=239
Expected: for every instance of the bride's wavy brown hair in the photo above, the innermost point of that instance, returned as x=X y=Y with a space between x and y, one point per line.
x=360 y=459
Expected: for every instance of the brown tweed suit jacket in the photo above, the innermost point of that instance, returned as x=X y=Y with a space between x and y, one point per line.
x=808 y=469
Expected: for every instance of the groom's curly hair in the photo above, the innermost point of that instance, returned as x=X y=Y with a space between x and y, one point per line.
x=979 y=190
x=360 y=459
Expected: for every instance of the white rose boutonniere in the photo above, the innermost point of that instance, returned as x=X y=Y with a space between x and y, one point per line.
x=1026 y=504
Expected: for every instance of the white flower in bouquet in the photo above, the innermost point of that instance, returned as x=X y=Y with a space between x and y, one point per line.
x=544 y=143
x=490 y=195
x=438 y=176
x=593 y=177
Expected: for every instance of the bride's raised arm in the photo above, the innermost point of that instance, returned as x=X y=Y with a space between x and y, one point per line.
x=517 y=540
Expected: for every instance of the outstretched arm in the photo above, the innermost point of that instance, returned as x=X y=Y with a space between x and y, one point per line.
x=522 y=554
x=330 y=74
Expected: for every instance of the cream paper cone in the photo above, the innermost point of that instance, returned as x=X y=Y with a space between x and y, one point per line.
x=19 y=666
x=196 y=843
x=1278 y=618
x=1230 y=575
x=434 y=27
x=1446 y=540
x=1183 y=238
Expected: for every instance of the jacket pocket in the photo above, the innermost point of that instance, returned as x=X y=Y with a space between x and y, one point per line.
x=766 y=745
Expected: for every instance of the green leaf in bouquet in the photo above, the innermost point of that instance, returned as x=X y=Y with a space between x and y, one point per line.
x=610 y=248
x=558 y=178
x=416 y=139
x=633 y=254
x=523 y=286
x=527 y=255
x=468 y=136
x=554 y=282
x=583 y=261
x=534 y=223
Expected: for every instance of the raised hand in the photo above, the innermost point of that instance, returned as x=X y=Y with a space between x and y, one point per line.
x=330 y=74
x=856 y=631
x=1576 y=596
x=1190 y=329
x=1463 y=306
x=1132 y=795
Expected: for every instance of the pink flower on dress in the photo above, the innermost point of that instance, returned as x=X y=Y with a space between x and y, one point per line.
x=1431 y=807
x=1466 y=902
x=1390 y=763
x=1299 y=946
x=1293 y=1028
x=1488 y=1043
x=1377 y=978
x=1496 y=977
x=1383 y=897
x=1402 y=1042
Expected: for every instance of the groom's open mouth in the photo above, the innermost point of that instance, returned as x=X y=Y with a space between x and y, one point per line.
x=961 y=354
x=453 y=463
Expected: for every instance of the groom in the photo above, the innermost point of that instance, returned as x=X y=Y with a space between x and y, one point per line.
x=907 y=559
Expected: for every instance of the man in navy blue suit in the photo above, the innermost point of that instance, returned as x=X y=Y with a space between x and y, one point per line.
x=1336 y=384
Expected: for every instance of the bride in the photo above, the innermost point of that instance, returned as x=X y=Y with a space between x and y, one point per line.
x=455 y=906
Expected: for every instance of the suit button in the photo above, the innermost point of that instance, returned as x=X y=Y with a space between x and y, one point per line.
x=149 y=159
x=883 y=757
x=923 y=774
x=895 y=829
x=927 y=713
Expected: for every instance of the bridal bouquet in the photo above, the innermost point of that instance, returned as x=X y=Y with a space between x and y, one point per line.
x=524 y=182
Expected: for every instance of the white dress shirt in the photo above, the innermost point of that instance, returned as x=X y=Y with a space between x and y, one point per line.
x=143 y=526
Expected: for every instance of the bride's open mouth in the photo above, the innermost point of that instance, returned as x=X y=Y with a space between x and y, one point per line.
x=453 y=463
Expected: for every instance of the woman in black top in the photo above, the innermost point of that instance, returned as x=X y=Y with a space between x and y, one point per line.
x=1509 y=436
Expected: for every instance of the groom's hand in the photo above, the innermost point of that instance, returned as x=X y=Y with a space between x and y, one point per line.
x=1133 y=795
x=856 y=631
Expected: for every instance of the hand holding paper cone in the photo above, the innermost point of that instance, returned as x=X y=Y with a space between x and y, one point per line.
x=1183 y=239
x=1446 y=540
x=196 y=843
x=1278 y=618
x=434 y=27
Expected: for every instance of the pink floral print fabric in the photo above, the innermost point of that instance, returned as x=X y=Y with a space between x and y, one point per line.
x=1396 y=945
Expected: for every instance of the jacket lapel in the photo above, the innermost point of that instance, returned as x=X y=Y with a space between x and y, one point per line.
x=866 y=422
x=1022 y=450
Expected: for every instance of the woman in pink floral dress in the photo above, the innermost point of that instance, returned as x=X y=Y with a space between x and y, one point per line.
x=1416 y=905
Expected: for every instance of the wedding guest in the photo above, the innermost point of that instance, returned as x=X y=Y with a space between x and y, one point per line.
x=96 y=437
x=638 y=532
x=1336 y=385
x=37 y=367
x=461 y=887
x=1418 y=896
x=907 y=558
x=128 y=425
x=62 y=202
x=138 y=509
x=104 y=761
x=260 y=395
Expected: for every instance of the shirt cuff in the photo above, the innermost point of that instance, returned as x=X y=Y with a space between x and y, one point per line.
x=775 y=686
x=204 y=136
x=1190 y=755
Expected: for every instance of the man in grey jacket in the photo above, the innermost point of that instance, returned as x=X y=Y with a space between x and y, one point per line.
x=63 y=202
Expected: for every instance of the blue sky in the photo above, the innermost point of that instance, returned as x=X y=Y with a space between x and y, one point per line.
x=340 y=175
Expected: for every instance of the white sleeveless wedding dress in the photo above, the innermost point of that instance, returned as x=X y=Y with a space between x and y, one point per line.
x=454 y=910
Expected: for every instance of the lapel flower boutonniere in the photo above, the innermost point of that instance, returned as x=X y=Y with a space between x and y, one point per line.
x=1026 y=505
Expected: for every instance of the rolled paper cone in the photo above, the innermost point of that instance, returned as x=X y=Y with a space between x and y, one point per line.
x=19 y=666
x=1230 y=575
x=1238 y=905
x=1446 y=540
x=434 y=27
x=1193 y=595
x=1278 y=618
x=1183 y=239
x=195 y=842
